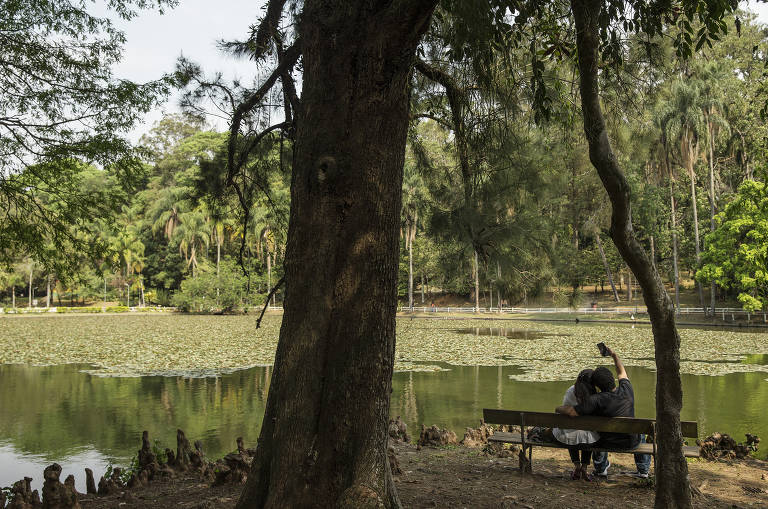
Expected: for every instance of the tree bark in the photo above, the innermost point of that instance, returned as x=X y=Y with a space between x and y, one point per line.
x=48 y=292
x=13 y=296
x=672 y=482
x=605 y=265
x=653 y=253
x=674 y=245
x=323 y=440
x=29 y=294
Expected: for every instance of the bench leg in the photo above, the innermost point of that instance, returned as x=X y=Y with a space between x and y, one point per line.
x=523 y=461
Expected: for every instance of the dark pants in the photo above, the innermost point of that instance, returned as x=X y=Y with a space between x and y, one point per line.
x=586 y=456
x=642 y=461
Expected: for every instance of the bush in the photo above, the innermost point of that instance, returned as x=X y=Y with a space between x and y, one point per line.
x=118 y=309
x=208 y=292
x=78 y=310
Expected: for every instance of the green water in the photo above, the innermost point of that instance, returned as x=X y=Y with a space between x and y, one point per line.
x=60 y=414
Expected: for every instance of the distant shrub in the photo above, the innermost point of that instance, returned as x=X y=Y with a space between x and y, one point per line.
x=118 y=309
x=208 y=292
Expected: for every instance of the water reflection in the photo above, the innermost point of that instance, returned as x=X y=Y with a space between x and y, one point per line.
x=60 y=414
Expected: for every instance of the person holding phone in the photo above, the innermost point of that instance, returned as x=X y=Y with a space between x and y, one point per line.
x=611 y=401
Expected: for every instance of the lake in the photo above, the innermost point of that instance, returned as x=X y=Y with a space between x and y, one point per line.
x=73 y=415
x=62 y=414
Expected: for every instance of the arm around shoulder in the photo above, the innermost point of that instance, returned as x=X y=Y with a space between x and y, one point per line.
x=566 y=410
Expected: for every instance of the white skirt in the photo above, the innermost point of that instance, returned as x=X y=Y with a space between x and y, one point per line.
x=575 y=436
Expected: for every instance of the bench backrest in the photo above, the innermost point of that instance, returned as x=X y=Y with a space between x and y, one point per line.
x=585 y=422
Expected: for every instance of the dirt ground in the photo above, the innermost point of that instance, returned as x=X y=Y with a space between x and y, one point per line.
x=461 y=477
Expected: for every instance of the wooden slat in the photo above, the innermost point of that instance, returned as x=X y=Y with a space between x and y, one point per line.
x=515 y=438
x=584 y=422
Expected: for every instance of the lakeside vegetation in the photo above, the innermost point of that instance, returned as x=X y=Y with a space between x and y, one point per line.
x=189 y=345
x=378 y=150
x=536 y=222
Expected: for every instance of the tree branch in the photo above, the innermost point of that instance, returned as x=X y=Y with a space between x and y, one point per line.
x=269 y=296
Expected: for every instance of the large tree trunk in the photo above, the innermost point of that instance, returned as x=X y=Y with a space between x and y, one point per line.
x=323 y=440
x=672 y=483
x=674 y=245
x=605 y=266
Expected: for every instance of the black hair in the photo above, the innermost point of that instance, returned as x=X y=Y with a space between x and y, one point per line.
x=583 y=388
x=603 y=379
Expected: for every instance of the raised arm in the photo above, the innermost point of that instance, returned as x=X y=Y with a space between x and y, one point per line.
x=620 y=371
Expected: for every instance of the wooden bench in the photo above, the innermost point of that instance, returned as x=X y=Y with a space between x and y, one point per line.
x=526 y=419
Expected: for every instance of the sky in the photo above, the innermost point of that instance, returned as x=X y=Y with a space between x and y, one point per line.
x=155 y=41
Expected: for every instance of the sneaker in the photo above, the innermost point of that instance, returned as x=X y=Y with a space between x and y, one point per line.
x=604 y=473
x=639 y=475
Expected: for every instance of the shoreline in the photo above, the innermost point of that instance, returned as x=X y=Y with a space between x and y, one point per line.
x=463 y=474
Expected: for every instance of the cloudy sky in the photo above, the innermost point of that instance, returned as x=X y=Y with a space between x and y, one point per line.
x=155 y=41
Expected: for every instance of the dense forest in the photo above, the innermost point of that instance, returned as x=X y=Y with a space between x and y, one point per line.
x=500 y=204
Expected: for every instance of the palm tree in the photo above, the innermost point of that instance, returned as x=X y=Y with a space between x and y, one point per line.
x=129 y=254
x=682 y=120
x=709 y=77
x=193 y=234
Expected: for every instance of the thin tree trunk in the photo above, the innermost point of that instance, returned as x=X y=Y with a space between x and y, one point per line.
x=13 y=296
x=653 y=253
x=323 y=439
x=410 y=268
x=710 y=137
x=605 y=266
x=269 y=276
x=498 y=278
x=490 y=298
x=29 y=294
x=422 y=287
x=672 y=483
x=629 y=285
x=48 y=292
x=218 y=261
x=674 y=245
x=477 y=285
x=696 y=226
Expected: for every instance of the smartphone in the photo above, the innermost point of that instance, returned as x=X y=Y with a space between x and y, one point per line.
x=603 y=349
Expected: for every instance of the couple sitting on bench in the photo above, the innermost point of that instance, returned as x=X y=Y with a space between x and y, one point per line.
x=582 y=398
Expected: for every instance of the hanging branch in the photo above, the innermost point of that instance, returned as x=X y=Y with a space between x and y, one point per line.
x=269 y=297
x=456 y=99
